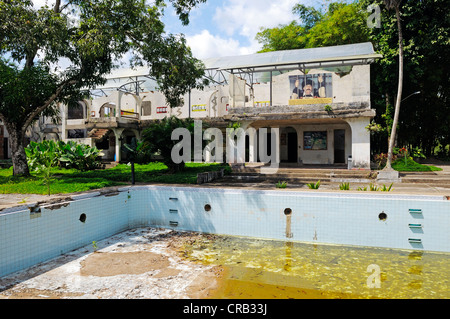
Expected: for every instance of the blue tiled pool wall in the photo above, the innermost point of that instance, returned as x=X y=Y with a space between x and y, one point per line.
x=381 y=221
x=28 y=238
x=32 y=235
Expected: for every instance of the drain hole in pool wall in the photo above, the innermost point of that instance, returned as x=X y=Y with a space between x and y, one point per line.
x=382 y=216
x=83 y=218
x=207 y=207
x=287 y=211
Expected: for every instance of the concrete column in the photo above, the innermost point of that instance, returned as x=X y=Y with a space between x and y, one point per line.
x=118 y=133
x=64 y=110
x=252 y=145
x=360 y=142
x=118 y=100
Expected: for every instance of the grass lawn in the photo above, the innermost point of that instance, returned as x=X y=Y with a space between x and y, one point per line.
x=412 y=166
x=70 y=180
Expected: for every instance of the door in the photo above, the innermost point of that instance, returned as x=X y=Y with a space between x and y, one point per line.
x=5 y=147
x=339 y=146
x=292 y=145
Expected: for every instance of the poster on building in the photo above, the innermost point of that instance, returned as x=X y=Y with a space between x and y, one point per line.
x=310 y=86
x=315 y=140
x=198 y=107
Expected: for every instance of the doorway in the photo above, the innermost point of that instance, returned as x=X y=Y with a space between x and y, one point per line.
x=339 y=146
x=292 y=147
x=5 y=148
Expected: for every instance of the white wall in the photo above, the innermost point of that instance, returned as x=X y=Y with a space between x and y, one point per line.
x=318 y=156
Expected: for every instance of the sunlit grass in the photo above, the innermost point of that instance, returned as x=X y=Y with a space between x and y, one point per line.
x=71 y=180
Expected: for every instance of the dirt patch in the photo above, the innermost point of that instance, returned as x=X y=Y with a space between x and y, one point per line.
x=37 y=294
x=132 y=263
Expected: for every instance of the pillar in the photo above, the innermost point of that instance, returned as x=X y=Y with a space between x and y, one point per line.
x=118 y=133
x=360 y=141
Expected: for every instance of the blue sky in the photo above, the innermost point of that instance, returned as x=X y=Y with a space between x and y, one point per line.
x=228 y=27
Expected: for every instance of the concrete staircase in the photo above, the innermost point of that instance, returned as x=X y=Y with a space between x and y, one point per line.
x=439 y=178
x=300 y=175
x=98 y=134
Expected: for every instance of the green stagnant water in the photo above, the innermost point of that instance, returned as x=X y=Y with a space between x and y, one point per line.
x=257 y=268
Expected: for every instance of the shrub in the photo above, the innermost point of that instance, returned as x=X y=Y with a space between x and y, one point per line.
x=157 y=138
x=281 y=185
x=314 y=185
x=45 y=153
x=344 y=186
x=66 y=155
x=381 y=159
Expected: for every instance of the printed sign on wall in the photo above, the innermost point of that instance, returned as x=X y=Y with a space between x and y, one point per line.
x=198 y=107
x=311 y=86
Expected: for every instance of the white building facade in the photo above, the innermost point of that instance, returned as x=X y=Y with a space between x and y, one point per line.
x=318 y=100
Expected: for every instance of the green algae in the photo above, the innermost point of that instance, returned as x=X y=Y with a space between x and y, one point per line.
x=259 y=268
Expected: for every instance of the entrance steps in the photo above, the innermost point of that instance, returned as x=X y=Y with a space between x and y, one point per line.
x=333 y=174
x=301 y=175
x=434 y=178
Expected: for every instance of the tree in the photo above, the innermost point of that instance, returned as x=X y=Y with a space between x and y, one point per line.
x=341 y=23
x=395 y=4
x=424 y=119
x=92 y=37
x=157 y=138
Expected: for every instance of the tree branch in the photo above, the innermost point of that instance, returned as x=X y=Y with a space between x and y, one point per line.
x=56 y=8
x=46 y=104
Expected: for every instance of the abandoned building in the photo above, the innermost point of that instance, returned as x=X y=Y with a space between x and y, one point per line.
x=318 y=98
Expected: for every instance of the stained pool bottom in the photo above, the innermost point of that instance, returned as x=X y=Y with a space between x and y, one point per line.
x=268 y=269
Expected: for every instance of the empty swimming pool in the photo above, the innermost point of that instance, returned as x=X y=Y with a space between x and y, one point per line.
x=30 y=234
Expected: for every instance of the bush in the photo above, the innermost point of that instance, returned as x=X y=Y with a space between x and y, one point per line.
x=314 y=185
x=157 y=138
x=64 y=155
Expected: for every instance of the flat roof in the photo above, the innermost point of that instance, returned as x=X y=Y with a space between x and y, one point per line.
x=339 y=55
x=322 y=57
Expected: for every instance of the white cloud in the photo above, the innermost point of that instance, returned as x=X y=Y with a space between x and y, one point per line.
x=235 y=24
x=39 y=3
x=247 y=17
x=206 y=45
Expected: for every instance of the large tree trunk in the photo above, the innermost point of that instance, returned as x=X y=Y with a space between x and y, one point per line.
x=399 y=91
x=19 y=157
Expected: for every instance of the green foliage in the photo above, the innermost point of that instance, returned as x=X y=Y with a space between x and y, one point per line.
x=412 y=166
x=79 y=156
x=157 y=139
x=417 y=152
x=314 y=185
x=424 y=119
x=44 y=166
x=385 y=188
x=344 y=186
x=136 y=152
x=68 y=155
x=281 y=184
x=375 y=188
x=341 y=23
x=105 y=31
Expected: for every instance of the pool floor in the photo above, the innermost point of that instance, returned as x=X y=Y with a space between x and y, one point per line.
x=163 y=263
